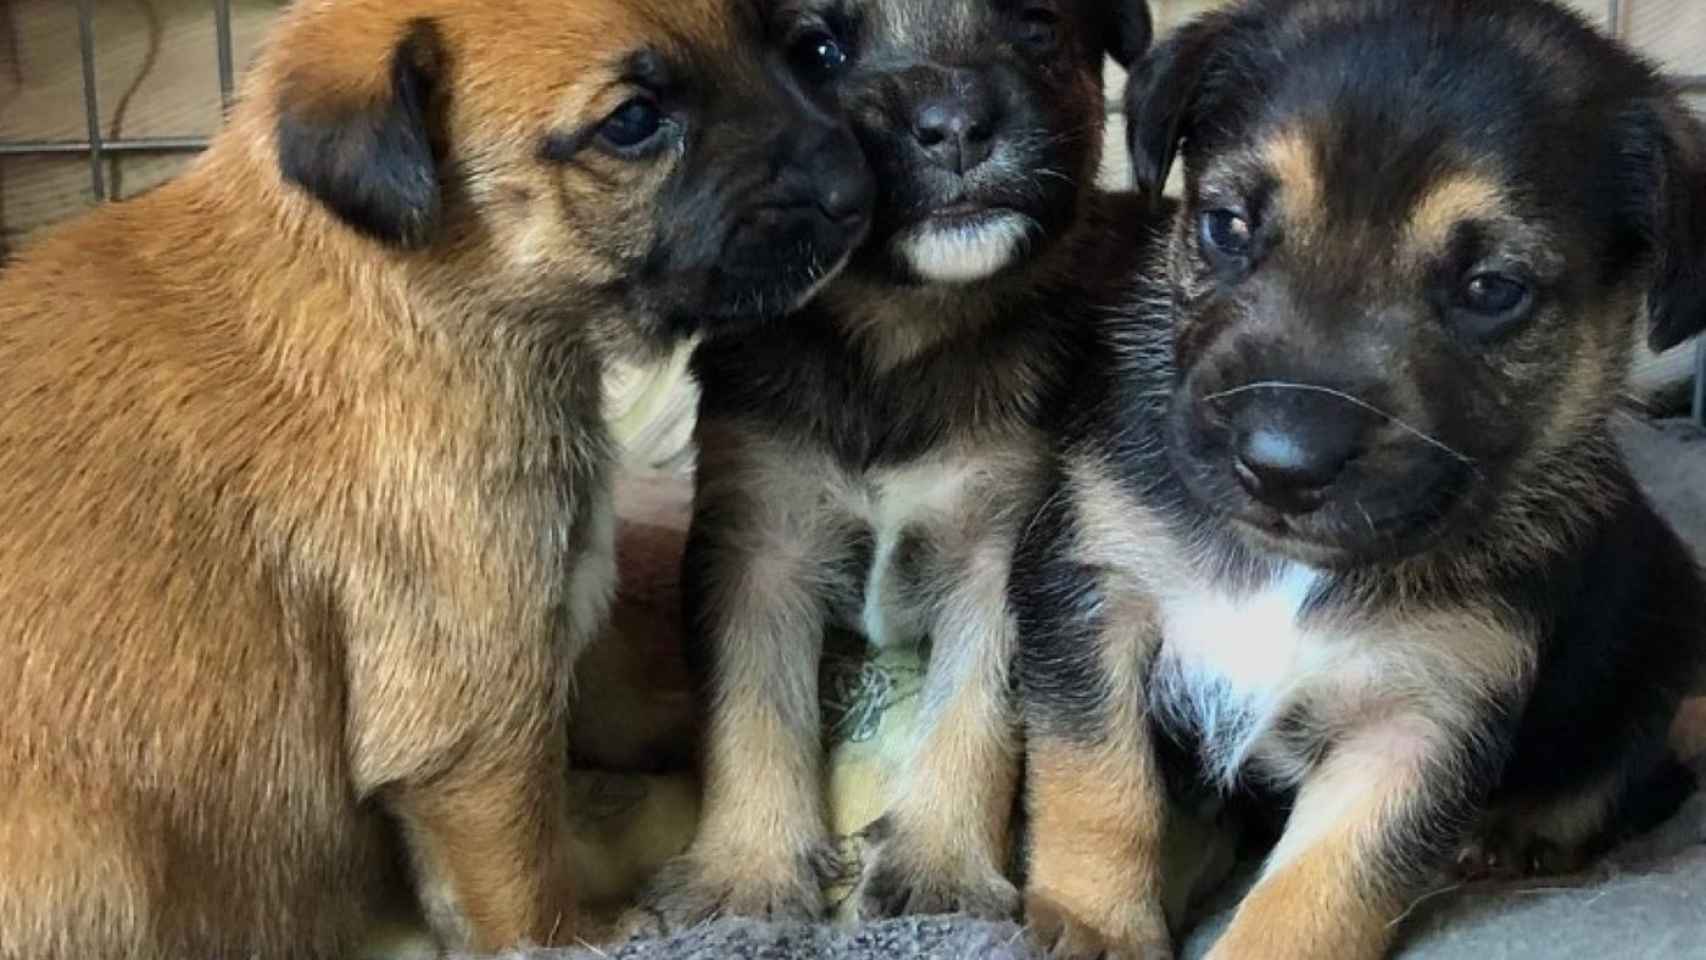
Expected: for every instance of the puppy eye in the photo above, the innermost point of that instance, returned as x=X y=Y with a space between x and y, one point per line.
x=1226 y=233
x=1494 y=293
x=819 y=54
x=1039 y=30
x=1494 y=302
x=633 y=125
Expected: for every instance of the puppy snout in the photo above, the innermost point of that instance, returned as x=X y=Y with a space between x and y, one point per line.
x=819 y=199
x=955 y=126
x=832 y=179
x=1289 y=449
x=846 y=193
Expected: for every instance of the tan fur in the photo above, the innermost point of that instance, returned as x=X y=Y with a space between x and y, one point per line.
x=946 y=823
x=1322 y=891
x=1403 y=689
x=1394 y=690
x=1448 y=202
x=1563 y=468
x=1313 y=910
x=789 y=517
x=897 y=324
x=951 y=801
x=788 y=538
x=1291 y=154
x=1124 y=536
x=294 y=530
x=1098 y=815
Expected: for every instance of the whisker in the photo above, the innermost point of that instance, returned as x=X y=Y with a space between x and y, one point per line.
x=1348 y=398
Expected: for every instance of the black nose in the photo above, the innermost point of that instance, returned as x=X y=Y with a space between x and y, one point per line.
x=1289 y=449
x=956 y=127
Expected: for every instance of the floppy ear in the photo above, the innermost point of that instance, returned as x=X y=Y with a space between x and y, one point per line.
x=1676 y=306
x=1129 y=29
x=363 y=146
x=1160 y=100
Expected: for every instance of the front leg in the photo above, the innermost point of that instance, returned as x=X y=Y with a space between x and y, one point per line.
x=1096 y=794
x=943 y=843
x=1097 y=797
x=489 y=841
x=755 y=608
x=1373 y=822
x=458 y=726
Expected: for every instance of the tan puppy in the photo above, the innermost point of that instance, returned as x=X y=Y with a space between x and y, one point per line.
x=304 y=512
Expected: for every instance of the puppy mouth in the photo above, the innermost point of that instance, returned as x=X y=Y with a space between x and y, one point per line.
x=964 y=214
x=1346 y=534
x=1282 y=535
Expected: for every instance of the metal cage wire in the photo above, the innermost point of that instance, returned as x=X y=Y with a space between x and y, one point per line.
x=97 y=147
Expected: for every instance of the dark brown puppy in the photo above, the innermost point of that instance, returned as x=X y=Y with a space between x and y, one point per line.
x=304 y=509
x=1340 y=523
x=868 y=465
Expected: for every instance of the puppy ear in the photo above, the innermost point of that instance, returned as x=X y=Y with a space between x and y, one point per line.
x=1129 y=29
x=1676 y=306
x=363 y=145
x=1161 y=100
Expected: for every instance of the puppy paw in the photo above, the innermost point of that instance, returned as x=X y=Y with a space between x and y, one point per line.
x=693 y=889
x=901 y=879
x=1062 y=936
x=1502 y=856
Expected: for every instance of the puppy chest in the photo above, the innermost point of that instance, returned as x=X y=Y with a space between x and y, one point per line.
x=928 y=525
x=1236 y=670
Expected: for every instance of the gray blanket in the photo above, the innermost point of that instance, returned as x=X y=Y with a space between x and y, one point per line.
x=1646 y=901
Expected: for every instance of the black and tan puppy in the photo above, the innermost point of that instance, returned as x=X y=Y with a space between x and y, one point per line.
x=304 y=506
x=867 y=463
x=1340 y=519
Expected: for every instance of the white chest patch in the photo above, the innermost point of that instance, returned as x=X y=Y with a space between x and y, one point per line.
x=903 y=500
x=1231 y=664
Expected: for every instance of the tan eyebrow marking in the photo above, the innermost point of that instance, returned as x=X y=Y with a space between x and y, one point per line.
x=1290 y=155
x=1455 y=198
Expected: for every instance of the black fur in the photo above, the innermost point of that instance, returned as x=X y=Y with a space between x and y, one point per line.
x=1130 y=29
x=890 y=368
x=808 y=380
x=812 y=381
x=1037 y=106
x=1674 y=146
x=374 y=164
x=1646 y=193
x=1609 y=595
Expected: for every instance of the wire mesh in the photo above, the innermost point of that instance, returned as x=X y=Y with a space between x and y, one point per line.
x=95 y=145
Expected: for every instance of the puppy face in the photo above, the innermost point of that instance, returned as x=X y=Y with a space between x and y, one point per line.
x=1414 y=239
x=661 y=152
x=983 y=119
